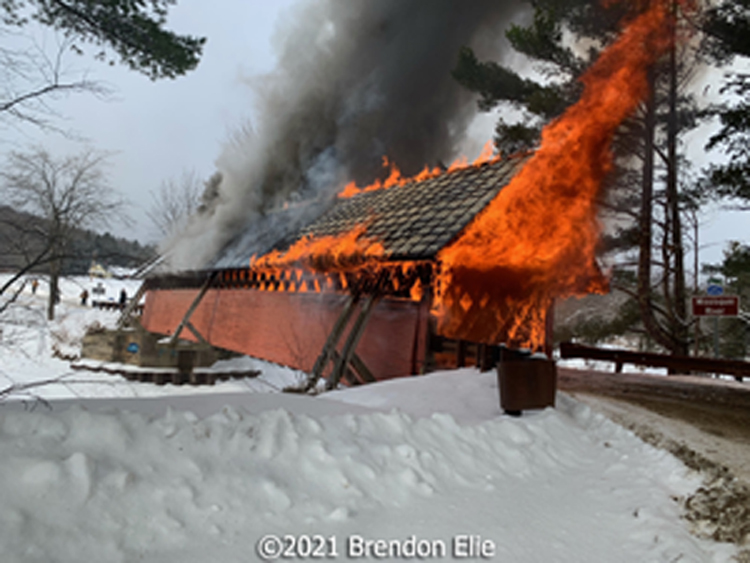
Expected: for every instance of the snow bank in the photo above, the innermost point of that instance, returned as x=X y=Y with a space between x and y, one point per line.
x=563 y=485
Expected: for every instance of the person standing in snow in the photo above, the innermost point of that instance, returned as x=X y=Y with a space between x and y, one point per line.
x=84 y=297
x=34 y=285
x=123 y=297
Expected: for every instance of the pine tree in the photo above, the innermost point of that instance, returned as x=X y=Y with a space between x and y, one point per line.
x=133 y=30
x=645 y=199
x=727 y=29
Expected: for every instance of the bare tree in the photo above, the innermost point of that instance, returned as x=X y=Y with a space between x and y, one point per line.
x=175 y=201
x=64 y=195
x=32 y=76
x=134 y=32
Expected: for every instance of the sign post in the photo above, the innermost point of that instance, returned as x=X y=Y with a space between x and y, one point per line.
x=716 y=305
x=715 y=288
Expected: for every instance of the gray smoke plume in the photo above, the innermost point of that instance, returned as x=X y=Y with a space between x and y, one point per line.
x=356 y=80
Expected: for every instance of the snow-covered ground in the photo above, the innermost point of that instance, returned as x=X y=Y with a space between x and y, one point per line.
x=417 y=468
x=27 y=343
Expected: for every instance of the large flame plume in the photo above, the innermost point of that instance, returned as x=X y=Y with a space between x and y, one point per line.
x=536 y=241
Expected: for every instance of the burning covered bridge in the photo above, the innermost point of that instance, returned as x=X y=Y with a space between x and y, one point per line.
x=375 y=285
x=356 y=293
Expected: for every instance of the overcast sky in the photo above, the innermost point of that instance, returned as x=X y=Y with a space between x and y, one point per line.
x=159 y=129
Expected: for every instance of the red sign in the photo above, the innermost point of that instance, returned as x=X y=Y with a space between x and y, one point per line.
x=716 y=306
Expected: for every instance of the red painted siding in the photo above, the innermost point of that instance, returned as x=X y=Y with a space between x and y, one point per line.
x=291 y=328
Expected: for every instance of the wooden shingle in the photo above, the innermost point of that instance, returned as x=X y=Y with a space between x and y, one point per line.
x=413 y=222
x=418 y=219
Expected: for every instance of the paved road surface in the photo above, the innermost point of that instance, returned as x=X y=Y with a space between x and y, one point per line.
x=703 y=421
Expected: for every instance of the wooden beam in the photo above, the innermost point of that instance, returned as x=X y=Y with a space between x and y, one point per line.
x=488 y=356
x=197 y=334
x=351 y=377
x=682 y=364
x=356 y=368
x=351 y=343
x=461 y=346
x=188 y=280
x=130 y=307
x=333 y=339
x=364 y=372
x=189 y=313
x=479 y=355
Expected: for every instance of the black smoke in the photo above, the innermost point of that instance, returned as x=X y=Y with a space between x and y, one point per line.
x=356 y=80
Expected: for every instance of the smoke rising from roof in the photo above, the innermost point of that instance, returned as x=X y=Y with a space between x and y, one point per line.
x=355 y=81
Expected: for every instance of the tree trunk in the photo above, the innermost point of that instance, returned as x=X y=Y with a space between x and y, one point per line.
x=679 y=322
x=54 y=288
x=650 y=323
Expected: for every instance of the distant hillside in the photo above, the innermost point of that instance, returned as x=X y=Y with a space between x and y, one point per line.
x=19 y=239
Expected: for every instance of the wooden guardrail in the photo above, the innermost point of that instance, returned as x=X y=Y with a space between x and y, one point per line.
x=675 y=364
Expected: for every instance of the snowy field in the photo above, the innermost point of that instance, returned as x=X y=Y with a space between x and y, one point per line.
x=28 y=341
x=423 y=468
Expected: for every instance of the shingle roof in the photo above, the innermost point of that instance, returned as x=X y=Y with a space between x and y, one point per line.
x=413 y=221
x=418 y=219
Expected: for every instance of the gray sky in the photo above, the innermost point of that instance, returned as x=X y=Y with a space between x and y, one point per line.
x=159 y=129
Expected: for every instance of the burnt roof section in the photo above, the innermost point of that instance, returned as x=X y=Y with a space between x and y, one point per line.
x=265 y=232
x=413 y=221
x=416 y=220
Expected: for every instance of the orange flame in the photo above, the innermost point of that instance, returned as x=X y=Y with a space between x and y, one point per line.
x=395 y=177
x=417 y=291
x=487 y=155
x=536 y=240
x=328 y=253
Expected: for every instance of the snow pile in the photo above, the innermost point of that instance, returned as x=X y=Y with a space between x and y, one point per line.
x=71 y=325
x=563 y=485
